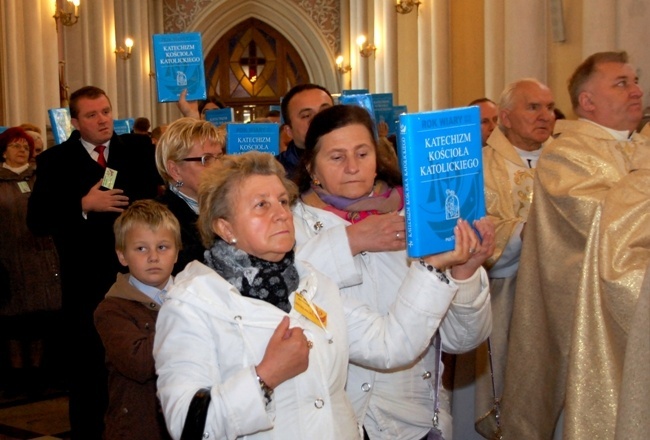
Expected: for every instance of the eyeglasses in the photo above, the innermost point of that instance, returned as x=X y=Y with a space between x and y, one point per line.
x=205 y=159
x=19 y=146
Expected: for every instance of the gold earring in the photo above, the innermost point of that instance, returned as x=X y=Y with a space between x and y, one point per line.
x=315 y=181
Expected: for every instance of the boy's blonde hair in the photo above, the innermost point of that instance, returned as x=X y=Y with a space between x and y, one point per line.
x=153 y=214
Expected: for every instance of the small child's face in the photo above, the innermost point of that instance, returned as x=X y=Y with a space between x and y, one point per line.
x=150 y=255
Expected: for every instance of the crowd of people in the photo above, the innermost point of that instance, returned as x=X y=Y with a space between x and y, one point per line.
x=272 y=297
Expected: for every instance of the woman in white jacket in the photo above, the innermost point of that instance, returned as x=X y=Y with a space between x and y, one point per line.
x=349 y=227
x=271 y=337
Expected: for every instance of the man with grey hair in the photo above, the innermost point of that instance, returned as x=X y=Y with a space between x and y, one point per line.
x=574 y=342
x=526 y=121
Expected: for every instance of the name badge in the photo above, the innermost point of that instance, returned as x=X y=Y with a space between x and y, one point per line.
x=310 y=310
x=24 y=187
x=109 y=178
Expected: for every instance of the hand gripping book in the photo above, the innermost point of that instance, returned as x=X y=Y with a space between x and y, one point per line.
x=255 y=136
x=442 y=171
x=179 y=65
x=61 y=124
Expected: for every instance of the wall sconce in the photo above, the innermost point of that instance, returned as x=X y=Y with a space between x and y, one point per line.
x=66 y=18
x=122 y=53
x=406 y=6
x=365 y=49
x=340 y=67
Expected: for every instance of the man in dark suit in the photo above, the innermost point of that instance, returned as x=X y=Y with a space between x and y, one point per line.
x=81 y=187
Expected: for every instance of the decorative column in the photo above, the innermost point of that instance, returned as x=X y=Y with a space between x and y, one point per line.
x=385 y=37
x=434 y=57
x=359 y=26
x=345 y=47
x=88 y=49
x=599 y=19
x=29 y=62
x=525 y=40
x=494 y=48
x=134 y=97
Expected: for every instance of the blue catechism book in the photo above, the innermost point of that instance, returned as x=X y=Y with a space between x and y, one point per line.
x=257 y=136
x=122 y=126
x=219 y=116
x=362 y=100
x=179 y=65
x=442 y=168
x=382 y=103
x=61 y=124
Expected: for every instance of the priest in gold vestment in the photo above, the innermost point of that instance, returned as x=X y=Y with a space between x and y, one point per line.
x=573 y=342
x=526 y=121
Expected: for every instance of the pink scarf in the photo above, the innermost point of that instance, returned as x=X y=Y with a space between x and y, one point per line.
x=382 y=199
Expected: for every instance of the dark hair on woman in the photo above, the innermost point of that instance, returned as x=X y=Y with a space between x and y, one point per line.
x=212 y=99
x=13 y=134
x=331 y=119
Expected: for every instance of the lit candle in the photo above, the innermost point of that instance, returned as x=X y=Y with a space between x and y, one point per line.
x=129 y=44
x=76 y=7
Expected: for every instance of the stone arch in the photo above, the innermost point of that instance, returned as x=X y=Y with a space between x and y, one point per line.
x=297 y=27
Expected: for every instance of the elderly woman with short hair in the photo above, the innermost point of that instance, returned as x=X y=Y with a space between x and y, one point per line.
x=269 y=335
x=30 y=286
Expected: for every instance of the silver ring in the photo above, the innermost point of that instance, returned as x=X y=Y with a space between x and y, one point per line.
x=397 y=235
x=310 y=344
x=471 y=251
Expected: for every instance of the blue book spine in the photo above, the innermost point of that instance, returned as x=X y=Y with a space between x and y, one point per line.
x=442 y=170
x=382 y=103
x=354 y=92
x=219 y=116
x=397 y=111
x=260 y=136
x=61 y=124
x=179 y=65
x=3 y=129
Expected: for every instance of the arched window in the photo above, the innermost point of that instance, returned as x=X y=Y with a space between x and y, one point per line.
x=251 y=67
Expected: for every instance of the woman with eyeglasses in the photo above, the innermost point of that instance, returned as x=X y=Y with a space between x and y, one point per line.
x=30 y=289
x=184 y=151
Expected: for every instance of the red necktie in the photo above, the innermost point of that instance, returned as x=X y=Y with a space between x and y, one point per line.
x=100 y=158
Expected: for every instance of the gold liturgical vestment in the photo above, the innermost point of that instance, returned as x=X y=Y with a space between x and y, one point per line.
x=585 y=252
x=508 y=189
x=508 y=195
